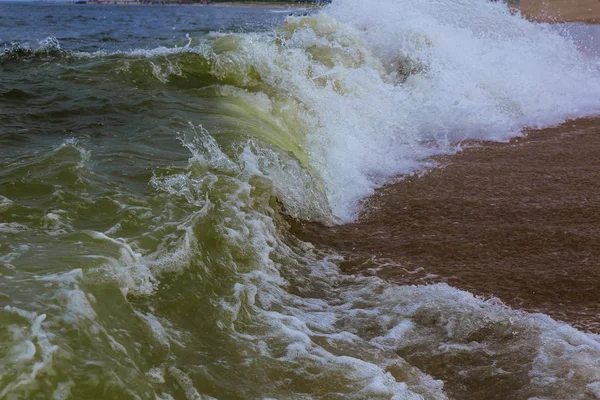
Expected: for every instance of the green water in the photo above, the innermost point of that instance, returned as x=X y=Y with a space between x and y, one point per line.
x=143 y=256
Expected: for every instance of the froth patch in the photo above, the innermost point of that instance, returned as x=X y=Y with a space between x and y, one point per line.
x=30 y=354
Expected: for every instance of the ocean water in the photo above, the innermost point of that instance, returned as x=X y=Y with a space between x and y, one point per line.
x=152 y=158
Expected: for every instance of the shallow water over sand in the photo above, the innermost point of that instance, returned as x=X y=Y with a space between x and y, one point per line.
x=516 y=221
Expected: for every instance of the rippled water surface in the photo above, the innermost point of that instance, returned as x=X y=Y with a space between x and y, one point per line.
x=151 y=159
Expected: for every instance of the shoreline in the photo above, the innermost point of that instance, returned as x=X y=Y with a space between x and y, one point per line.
x=516 y=221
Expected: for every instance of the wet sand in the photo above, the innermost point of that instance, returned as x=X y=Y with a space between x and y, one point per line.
x=518 y=221
x=561 y=10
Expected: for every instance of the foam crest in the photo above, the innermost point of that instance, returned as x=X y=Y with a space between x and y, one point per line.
x=48 y=47
x=382 y=88
x=453 y=70
x=257 y=268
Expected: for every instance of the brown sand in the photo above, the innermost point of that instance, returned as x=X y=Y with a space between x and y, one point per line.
x=519 y=221
x=562 y=10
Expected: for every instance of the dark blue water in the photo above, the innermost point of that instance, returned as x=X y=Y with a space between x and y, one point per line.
x=123 y=27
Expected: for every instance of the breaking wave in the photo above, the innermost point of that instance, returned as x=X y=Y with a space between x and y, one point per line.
x=189 y=284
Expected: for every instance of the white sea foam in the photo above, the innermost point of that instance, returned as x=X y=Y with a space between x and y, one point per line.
x=31 y=351
x=384 y=87
x=475 y=71
x=12 y=227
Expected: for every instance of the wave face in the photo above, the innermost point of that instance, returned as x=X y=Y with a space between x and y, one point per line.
x=146 y=196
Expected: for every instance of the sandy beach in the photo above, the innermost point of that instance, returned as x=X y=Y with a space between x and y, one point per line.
x=587 y=11
x=517 y=221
